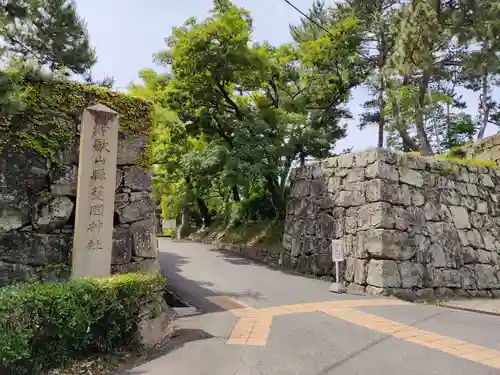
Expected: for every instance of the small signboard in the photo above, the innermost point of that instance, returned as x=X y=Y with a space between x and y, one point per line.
x=337 y=251
x=169 y=224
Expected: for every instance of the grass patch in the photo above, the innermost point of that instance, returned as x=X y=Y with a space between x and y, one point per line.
x=455 y=158
x=265 y=233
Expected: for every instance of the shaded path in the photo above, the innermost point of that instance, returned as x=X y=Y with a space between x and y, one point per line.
x=309 y=343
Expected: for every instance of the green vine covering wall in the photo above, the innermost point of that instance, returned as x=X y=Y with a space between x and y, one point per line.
x=51 y=111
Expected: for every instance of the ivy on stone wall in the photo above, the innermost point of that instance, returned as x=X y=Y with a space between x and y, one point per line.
x=51 y=113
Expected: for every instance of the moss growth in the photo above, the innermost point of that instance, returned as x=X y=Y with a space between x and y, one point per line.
x=52 y=110
x=455 y=157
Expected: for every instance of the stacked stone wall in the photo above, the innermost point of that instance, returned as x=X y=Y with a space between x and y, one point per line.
x=409 y=226
x=486 y=149
x=38 y=195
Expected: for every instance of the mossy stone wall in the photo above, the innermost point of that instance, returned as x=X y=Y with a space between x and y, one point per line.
x=38 y=174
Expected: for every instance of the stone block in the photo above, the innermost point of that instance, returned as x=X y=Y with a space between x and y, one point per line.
x=21 y=171
x=417 y=198
x=422 y=245
x=14 y=273
x=389 y=244
x=355 y=175
x=350 y=198
x=469 y=255
x=301 y=188
x=450 y=197
x=345 y=160
x=474 y=239
x=287 y=242
x=321 y=264
x=296 y=247
x=156 y=324
x=425 y=294
x=472 y=190
x=376 y=154
x=411 y=177
x=431 y=211
x=13 y=218
x=35 y=249
x=135 y=211
x=137 y=179
x=355 y=289
x=350 y=263
x=122 y=246
x=348 y=243
x=489 y=241
x=383 y=273
x=460 y=217
x=377 y=215
x=486 y=277
x=334 y=184
x=325 y=226
x=122 y=198
x=146 y=265
x=447 y=278
x=468 y=278
x=54 y=215
x=411 y=274
x=382 y=171
x=131 y=148
x=318 y=188
x=360 y=271
x=119 y=178
x=386 y=191
x=144 y=242
x=64 y=180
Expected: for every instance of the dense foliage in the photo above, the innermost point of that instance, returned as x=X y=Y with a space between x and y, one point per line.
x=52 y=106
x=46 y=325
x=233 y=116
x=45 y=33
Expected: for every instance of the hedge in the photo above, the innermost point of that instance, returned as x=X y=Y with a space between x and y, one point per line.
x=47 y=325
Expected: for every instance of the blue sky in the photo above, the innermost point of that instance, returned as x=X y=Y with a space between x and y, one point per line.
x=126 y=33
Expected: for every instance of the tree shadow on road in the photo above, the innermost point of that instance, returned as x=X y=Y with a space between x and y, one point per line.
x=195 y=292
x=180 y=338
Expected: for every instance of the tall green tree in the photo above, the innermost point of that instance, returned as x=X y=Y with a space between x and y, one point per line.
x=269 y=106
x=48 y=31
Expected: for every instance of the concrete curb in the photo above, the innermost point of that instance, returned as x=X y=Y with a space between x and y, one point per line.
x=468 y=309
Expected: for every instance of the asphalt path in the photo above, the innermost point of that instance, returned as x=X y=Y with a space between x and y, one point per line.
x=287 y=324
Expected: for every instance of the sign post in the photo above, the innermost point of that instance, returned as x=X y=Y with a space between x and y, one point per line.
x=337 y=256
x=169 y=224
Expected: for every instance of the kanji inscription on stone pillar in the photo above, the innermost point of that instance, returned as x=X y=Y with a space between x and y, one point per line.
x=95 y=199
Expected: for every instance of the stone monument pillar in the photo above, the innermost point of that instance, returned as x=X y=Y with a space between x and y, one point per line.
x=95 y=201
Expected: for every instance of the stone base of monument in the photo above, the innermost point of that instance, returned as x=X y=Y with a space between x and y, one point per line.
x=157 y=324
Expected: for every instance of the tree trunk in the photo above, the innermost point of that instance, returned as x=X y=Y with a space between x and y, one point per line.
x=381 y=102
x=381 y=119
x=183 y=229
x=236 y=193
x=485 y=108
x=204 y=212
x=276 y=197
x=425 y=146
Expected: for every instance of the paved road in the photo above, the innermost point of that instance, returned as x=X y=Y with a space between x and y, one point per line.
x=259 y=321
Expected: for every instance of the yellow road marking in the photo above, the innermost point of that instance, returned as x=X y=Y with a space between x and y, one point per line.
x=455 y=347
x=254 y=325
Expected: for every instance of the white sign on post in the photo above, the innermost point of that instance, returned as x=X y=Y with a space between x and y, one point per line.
x=337 y=251
x=337 y=257
x=169 y=224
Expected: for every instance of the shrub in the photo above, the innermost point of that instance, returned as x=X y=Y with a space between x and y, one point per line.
x=47 y=325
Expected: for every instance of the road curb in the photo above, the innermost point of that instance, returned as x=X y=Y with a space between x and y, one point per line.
x=468 y=309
